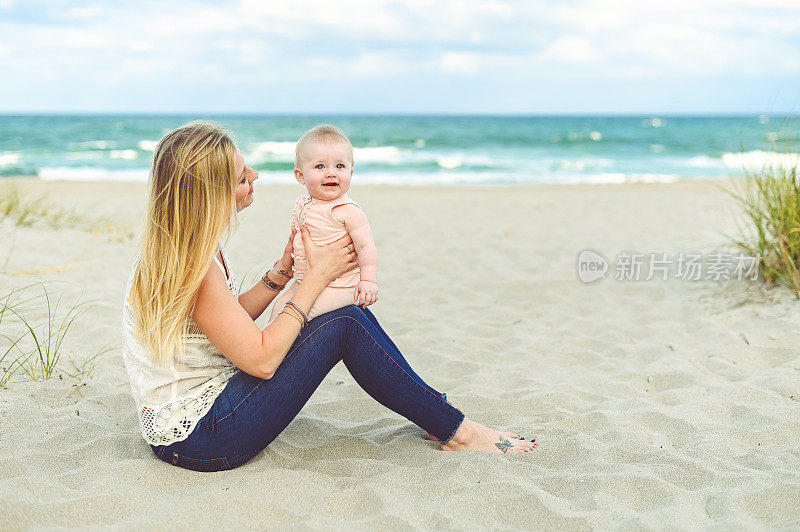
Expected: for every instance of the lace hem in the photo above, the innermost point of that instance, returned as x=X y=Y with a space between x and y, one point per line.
x=175 y=421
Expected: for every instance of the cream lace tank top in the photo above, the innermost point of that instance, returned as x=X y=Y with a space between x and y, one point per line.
x=171 y=400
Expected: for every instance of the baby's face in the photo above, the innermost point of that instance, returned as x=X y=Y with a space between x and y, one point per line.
x=325 y=169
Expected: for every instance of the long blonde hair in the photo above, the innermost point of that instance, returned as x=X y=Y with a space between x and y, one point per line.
x=192 y=205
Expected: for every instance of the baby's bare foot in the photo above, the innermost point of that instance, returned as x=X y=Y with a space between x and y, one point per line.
x=472 y=436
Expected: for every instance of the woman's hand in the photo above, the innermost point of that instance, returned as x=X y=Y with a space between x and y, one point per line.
x=283 y=265
x=329 y=262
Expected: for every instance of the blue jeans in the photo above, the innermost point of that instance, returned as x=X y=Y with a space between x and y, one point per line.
x=251 y=412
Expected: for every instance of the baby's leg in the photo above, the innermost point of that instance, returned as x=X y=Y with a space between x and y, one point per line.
x=332 y=298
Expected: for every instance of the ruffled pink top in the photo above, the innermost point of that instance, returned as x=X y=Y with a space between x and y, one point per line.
x=324 y=229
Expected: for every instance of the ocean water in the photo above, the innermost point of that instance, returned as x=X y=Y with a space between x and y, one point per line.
x=421 y=149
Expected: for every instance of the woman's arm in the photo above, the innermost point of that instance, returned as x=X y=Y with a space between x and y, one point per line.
x=258 y=298
x=232 y=330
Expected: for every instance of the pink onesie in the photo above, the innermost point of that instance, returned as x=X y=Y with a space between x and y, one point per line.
x=324 y=229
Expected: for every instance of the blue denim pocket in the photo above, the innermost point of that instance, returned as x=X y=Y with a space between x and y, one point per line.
x=197 y=464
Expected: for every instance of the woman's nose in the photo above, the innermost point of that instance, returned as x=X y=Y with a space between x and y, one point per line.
x=254 y=175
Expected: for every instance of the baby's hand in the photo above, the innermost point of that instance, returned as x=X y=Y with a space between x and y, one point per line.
x=366 y=293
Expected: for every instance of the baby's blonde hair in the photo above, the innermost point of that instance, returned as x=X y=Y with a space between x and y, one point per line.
x=192 y=205
x=321 y=133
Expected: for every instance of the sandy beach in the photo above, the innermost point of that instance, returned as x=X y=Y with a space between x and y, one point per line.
x=656 y=404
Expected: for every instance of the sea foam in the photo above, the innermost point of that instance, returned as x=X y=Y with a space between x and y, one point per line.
x=9 y=159
x=757 y=160
x=749 y=160
x=87 y=173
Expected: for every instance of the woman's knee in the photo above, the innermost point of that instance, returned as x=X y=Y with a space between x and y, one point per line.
x=350 y=311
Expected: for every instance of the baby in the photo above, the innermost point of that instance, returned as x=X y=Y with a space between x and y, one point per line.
x=324 y=164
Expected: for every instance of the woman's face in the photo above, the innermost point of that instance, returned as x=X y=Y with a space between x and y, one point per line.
x=244 y=176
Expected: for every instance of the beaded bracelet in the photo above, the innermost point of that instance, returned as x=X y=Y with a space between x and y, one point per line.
x=275 y=287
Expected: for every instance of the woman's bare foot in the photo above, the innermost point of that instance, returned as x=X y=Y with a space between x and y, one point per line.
x=472 y=436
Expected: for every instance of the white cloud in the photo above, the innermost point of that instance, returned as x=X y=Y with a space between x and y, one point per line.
x=84 y=39
x=187 y=19
x=569 y=49
x=251 y=41
x=140 y=46
x=365 y=65
x=680 y=37
x=460 y=63
x=85 y=13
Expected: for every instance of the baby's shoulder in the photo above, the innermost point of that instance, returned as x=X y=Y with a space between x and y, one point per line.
x=344 y=200
x=347 y=211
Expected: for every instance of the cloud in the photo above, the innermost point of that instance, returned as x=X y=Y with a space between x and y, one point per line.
x=460 y=63
x=569 y=49
x=85 y=13
x=243 y=45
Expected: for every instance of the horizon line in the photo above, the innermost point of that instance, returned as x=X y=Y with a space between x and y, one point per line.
x=366 y=114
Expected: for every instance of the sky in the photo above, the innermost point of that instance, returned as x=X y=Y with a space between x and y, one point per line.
x=405 y=57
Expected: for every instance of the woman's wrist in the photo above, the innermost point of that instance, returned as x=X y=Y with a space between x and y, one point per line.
x=275 y=276
x=282 y=274
x=313 y=278
x=270 y=285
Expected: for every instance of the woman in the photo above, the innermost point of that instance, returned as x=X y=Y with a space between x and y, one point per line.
x=211 y=388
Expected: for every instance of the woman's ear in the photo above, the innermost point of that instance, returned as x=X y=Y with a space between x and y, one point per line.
x=298 y=174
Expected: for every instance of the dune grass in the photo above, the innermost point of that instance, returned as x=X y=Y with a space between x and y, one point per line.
x=10 y=304
x=38 y=350
x=770 y=199
x=83 y=370
x=26 y=210
x=34 y=322
x=9 y=251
